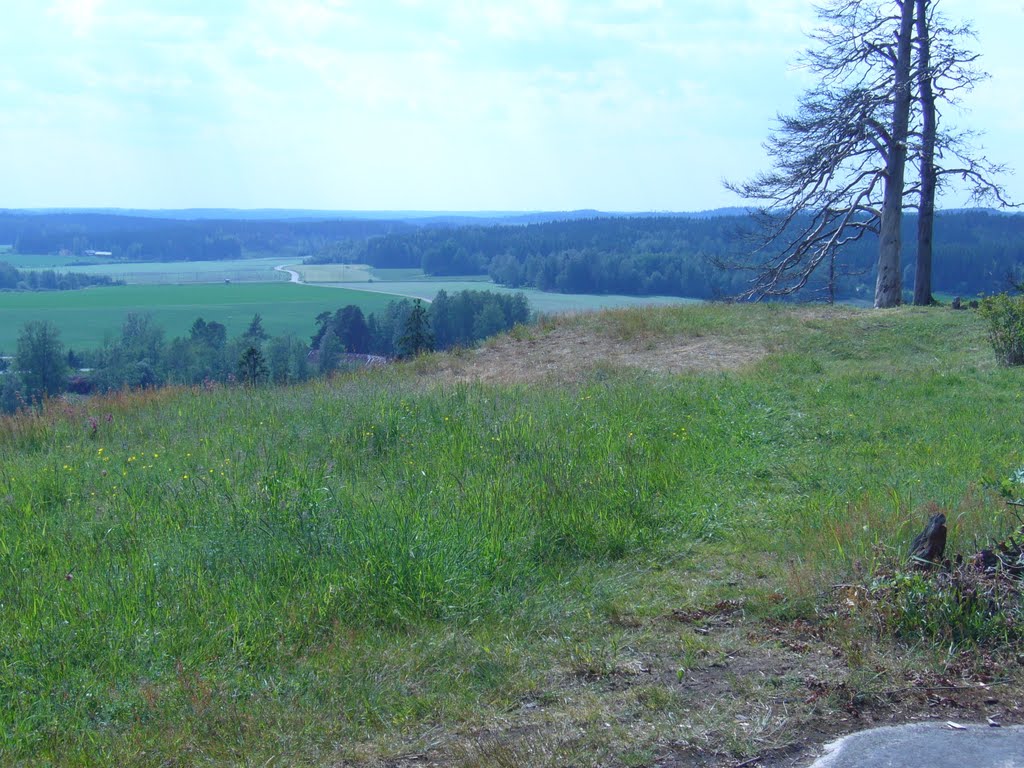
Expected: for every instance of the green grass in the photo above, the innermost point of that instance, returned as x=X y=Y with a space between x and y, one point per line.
x=302 y=575
x=84 y=317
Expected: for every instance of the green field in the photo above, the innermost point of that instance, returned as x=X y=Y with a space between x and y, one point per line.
x=85 y=317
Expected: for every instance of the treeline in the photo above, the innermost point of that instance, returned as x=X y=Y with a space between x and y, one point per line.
x=135 y=238
x=142 y=357
x=974 y=252
x=455 y=320
x=12 y=279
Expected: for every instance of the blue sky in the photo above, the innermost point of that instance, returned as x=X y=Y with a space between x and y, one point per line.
x=422 y=104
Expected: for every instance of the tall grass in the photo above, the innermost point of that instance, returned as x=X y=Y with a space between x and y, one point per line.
x=200 y=572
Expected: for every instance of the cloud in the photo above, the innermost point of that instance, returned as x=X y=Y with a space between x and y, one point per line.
x=405 y=103
x=79 y=15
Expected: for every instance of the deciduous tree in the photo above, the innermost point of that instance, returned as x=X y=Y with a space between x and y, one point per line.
x=40 y=360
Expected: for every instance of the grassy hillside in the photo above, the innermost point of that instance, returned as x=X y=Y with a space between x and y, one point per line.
x=394 y=564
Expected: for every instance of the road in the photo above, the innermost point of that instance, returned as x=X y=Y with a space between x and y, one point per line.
x=296 y=278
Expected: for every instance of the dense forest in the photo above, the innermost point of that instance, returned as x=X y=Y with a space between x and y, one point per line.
x=678 y=255
x=975 y=251
x=137 y=238
x=12 y=279
x=141 y=356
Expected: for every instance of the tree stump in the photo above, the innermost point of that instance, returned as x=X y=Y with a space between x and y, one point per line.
x=928 y=546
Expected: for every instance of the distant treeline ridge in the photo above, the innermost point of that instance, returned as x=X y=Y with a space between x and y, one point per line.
x=974 y=251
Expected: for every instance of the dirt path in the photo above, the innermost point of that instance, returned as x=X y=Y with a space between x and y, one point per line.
x=295 y=277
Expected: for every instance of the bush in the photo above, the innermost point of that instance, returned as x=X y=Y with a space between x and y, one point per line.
x=1005 y=316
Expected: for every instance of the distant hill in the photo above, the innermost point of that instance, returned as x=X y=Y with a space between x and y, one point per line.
x=313 y=214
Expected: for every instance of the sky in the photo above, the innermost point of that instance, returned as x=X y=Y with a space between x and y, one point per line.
x=500 y=105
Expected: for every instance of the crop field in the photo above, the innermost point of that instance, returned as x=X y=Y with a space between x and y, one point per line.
x=84 y=317
x=47 y=261
x=392 y=568
x=540 y=301
x=334 y=273
x=169 y=272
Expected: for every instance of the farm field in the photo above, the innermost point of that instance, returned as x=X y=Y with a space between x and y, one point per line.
x=540 y=301
x=364 y=273
x=355 y=277
x=84 y=317
x=169 y=272
x=334 y=273
x=631 y=560
x=46 y=261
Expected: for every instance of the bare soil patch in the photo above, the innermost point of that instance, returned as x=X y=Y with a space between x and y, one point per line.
x=763 y=692
x=572 y=354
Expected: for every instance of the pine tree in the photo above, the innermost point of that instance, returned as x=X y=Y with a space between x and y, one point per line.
x=252 y=368
x=416 y=337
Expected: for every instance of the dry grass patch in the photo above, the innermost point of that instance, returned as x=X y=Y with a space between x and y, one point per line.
x=570 y=353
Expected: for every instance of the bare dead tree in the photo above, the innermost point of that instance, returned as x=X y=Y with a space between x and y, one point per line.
x=822 y=193
x=928 y=176
x=945 y=69
x=839 y=164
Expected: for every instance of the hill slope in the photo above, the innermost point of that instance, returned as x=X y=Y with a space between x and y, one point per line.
x=609 y=541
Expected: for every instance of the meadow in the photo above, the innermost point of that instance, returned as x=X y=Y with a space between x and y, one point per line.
x=388 y=563
x=85 y=317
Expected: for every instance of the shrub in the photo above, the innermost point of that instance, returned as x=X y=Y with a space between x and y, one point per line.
x=1005 y=316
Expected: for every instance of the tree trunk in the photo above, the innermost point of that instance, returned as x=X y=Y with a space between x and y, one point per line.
x=926 y=215
x=888 y=287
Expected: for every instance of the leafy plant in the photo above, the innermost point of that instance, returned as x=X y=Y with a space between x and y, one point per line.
x=960 y=608
x=1005 y=316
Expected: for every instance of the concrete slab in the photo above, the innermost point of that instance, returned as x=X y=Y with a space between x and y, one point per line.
x=928 y=745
